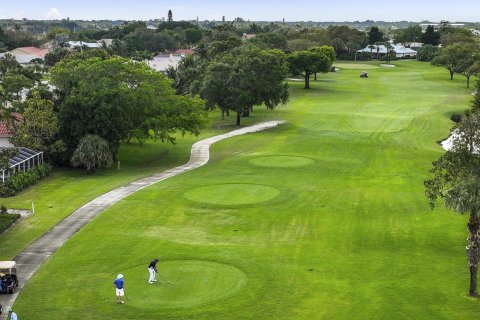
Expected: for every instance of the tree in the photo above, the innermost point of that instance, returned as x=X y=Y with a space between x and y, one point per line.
x=427 y=52
x=117 y=99
x=409 y=34
x=244 y=78
x=457 y=35
x=9 y=64
x=55 y=56
x=270 y=40
x=452 y=56
x=39 y=128
x=193 y=35
x=346 y=41
x=218 y=41
x=469 y=66
x=308 y=62
x=92 y=153
x=12 y=85
x=185 y=74
x=375 y=35
x=299 y=44
x=456 y=180
x=143 y=39
x=390 y=51
x=431 y=36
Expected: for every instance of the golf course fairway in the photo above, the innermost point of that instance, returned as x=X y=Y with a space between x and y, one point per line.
x=323 y=217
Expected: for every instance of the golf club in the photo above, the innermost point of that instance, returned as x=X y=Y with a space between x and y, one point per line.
x=162 y=278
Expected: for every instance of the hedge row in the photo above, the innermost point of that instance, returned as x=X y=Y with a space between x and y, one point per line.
x=7 y=219
x=23 y=180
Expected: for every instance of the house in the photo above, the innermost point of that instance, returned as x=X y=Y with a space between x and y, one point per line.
x=25 y=55
x=183 y=52
x=414 y=45
x=248 y=36
x=162 y=63
x=107 y=42
x=78 y=44
x=5 y=131
x=378 y=51
x=25 y=160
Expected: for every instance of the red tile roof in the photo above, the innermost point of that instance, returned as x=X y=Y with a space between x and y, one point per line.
x=4 y=128
x=33 y=50
x=184 y=51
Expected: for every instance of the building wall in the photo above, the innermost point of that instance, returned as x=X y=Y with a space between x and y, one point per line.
x=4 y=143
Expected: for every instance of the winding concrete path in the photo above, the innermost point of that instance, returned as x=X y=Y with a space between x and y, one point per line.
x=31 y=258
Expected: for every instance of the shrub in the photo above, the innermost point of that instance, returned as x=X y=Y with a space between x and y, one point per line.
x=3 y=209
x=22 y=180
x=6 y=220
x=456 y=117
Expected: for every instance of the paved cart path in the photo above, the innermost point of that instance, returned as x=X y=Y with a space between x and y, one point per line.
x=31 y=258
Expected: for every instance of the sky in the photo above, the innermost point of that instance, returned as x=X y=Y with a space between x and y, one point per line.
x=259 y=10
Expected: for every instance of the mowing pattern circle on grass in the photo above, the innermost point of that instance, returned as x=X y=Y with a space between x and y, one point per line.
x=281 y=161
x=192 y=283
x=232 y=194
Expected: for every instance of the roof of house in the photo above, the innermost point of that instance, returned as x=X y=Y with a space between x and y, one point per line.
x=398 y=48
x=74 y=44
x=39 y=53
x=22 y=58
x=5 y=131
x=160 y=63
x=247 y=36
x=184 y=51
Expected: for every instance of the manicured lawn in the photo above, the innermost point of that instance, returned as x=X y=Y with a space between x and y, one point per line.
x=322 y=218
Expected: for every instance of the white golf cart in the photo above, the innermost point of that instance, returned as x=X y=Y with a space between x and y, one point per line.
x=8 y=276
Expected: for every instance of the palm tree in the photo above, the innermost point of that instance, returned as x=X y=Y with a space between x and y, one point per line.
x=371 y=47
x=92 y=153
x=389 y=47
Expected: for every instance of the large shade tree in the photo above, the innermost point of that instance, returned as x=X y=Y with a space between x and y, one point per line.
x=312 y=61
x=39 y=128
x=452 y=57
x=244 y=78
x=456 y=180
x=117 y=99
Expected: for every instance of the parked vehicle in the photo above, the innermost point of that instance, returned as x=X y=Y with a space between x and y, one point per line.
x=8 y=276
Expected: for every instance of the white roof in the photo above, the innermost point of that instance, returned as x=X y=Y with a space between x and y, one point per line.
x=398 y=48
x=162 y=63
x=22 y=58
x=7 y=264
x=75 y=44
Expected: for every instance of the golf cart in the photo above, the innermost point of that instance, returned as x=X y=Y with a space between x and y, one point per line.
x=364 y=74
x=8 y=276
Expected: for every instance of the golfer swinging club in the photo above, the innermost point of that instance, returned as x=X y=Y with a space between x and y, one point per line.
x=152 y=269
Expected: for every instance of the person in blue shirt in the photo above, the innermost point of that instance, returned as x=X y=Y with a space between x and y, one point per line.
x=119 y=285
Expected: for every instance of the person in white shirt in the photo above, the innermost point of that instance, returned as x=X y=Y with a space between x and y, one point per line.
x=13 y=315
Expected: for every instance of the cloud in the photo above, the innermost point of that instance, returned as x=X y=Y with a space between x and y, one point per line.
x=54 y=14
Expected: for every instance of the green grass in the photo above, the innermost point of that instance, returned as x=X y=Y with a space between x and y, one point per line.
x=349 y=235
